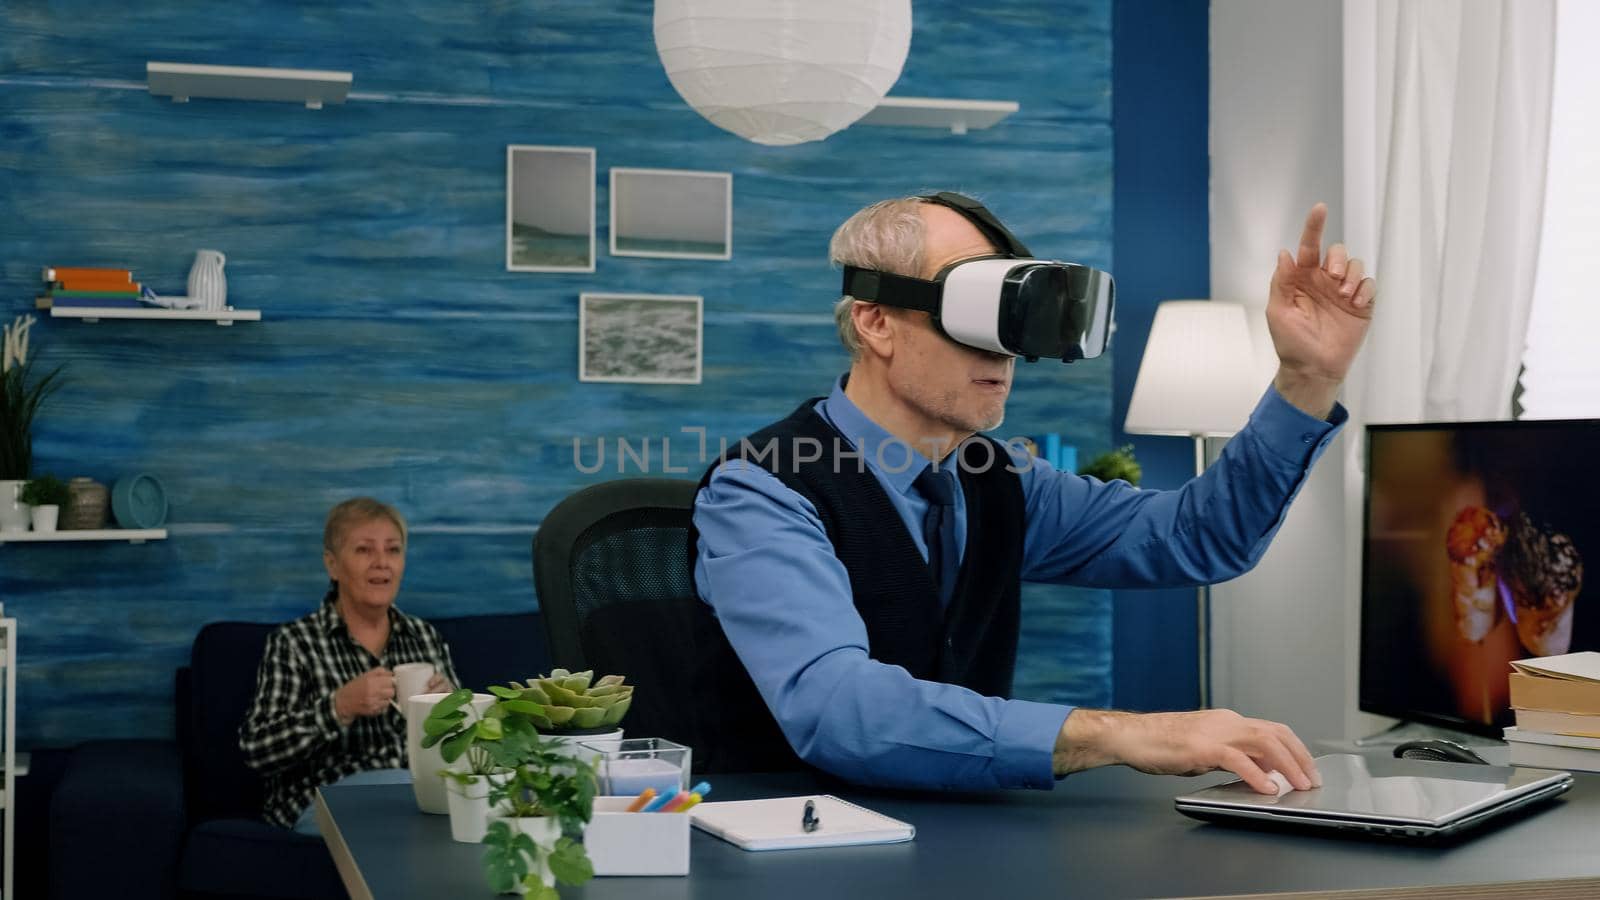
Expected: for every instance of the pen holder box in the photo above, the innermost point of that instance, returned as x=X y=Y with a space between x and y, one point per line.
x=624 y=843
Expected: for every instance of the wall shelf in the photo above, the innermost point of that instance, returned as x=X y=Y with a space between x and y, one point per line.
x=131 y=535
x=313 y=87
x=96 y=313
x=960 y=116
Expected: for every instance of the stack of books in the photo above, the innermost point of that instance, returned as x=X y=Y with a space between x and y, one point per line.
x=1556 y=700
x=99 y=288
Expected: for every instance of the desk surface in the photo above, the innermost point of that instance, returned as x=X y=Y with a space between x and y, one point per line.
x=1107 y=833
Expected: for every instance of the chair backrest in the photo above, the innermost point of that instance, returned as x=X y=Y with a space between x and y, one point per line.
x=215 y=690
x=611 y=566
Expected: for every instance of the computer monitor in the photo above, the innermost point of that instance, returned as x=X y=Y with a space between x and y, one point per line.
x=1474 y=542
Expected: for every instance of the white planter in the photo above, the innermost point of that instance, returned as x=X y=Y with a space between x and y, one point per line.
x=44 y=517
x=545 y=831
x=572 y=744
x=426 y=764
x=13 y=512
x=469 y=809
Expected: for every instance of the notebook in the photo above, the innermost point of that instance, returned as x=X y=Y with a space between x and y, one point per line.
x=774 y=823
x=1385 y=796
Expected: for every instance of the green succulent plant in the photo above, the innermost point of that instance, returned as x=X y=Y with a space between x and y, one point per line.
x=572 y=701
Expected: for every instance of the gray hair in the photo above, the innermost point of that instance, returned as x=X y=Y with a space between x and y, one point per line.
x=886 y=236
x=357 y=511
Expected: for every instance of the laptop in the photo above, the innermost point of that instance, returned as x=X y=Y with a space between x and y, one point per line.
x=1384 y=796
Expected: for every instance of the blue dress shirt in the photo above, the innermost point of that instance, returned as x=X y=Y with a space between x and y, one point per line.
x=768 y=571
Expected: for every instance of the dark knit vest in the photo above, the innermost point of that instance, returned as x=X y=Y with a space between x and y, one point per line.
x=972 y=642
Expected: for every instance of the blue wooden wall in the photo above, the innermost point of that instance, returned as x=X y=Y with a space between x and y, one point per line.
x=396 y=356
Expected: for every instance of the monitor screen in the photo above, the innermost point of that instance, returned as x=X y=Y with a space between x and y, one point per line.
x=1474 y=543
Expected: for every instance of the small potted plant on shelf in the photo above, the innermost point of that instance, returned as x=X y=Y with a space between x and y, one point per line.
x=540 y=811
x=20 y=399
x=45 y=495
x=1114 y=464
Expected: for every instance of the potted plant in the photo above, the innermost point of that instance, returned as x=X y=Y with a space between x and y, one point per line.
x=46 y=495
x=19 y=403
x=472 y=751
x=541 y=809
x=572 y=704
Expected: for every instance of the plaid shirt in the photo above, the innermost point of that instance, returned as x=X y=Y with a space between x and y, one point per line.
x=291 y=734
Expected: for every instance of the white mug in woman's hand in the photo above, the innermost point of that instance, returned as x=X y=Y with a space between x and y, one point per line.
x=411 y=679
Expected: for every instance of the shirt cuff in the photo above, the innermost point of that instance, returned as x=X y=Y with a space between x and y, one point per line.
x=1289 y=432
x=330 y=717
x=1025 y=742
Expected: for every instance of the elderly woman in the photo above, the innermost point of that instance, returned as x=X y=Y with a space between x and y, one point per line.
x=324 y=709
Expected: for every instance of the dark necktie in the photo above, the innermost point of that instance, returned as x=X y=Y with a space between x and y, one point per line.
x=939 y=528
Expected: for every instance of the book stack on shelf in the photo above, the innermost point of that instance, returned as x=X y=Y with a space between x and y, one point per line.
x=98 y=288
x=1556 y=700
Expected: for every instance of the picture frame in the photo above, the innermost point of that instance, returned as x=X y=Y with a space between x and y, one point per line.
x=550 y=208
x=671 y=213
x=640 y=338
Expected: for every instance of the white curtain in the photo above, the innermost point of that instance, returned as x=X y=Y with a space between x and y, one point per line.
x=1562 y=369
x=1447 y=118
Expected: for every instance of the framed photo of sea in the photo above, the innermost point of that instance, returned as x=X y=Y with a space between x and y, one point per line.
x=640 y=338
x=671 y=213
x=549 y=209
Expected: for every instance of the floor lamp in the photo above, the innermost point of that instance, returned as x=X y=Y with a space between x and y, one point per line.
x=1198 y=380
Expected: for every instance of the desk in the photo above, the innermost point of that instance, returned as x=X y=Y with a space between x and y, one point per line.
x=1107 y=833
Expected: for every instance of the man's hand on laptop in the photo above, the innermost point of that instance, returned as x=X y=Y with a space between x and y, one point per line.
x=1185 y=743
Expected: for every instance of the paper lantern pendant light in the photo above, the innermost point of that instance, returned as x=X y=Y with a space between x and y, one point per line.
x=783 y=71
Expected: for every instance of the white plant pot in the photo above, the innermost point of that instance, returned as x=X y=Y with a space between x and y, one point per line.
x=44 y=517
x=572 y=744
x=13 y=512
x=469 y=809
x=426 y=764
x=545 y=831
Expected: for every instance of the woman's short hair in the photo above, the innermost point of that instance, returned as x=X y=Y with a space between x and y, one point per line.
x=887 y=237
x=357 y=511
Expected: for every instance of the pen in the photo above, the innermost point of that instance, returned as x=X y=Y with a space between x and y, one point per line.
x=641 y=800
x=808 y=818
x=673 y=804
x=684 y=807
x=658 y=802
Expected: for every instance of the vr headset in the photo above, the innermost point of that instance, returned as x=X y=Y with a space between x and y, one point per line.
x=1006 y=303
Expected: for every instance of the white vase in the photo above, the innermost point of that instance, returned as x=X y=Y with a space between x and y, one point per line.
x=13 y=512
x=544 y=831
x=207 y=285
x=44 y=517
x=426 y=764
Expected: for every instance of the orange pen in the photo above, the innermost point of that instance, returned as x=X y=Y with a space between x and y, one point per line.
x=639 y=801
x=684 y=806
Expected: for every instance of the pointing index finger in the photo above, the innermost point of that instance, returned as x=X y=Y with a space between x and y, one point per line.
x=1310 y=253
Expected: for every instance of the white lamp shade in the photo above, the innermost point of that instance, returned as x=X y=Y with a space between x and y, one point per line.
x=1198 y=375
x=783 y=71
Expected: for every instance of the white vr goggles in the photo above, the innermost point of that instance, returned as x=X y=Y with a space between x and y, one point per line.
x=1007 y=303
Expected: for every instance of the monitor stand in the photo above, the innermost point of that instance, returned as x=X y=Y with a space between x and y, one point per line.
x=1401 y=732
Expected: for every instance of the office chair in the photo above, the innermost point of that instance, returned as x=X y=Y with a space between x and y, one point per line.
x=612 y=570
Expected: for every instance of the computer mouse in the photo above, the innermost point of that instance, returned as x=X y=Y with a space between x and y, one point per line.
x=1439 y=750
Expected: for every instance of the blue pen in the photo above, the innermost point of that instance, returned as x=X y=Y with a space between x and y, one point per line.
x=703 y=788
x=658 y=802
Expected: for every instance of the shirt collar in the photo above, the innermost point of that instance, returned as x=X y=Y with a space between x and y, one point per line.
x=895 y=461
x=329 y=620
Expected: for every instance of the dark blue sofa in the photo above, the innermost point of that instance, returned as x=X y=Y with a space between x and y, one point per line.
x=164 y=819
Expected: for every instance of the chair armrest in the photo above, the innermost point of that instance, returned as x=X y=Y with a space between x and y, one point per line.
x=117 y=821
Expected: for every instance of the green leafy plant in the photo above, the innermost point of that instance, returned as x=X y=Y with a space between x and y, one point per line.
x=1114 y=464
x=20 y=399
x=573 y=702
x=46 y=490
x=528 y=777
